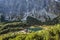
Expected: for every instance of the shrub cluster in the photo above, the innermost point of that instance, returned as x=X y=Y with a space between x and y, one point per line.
x=12 y=27
x=52 y=33
x=33 y=21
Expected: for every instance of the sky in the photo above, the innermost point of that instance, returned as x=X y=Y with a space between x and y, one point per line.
x=57 y=0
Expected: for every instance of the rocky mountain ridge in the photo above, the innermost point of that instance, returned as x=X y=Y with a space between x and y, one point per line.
x=15 y=9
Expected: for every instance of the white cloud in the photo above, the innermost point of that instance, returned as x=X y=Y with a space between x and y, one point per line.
x=56 y=0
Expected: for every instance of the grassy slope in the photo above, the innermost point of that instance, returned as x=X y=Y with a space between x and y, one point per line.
x=51 y=32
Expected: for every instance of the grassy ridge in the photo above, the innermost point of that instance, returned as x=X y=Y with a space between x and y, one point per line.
x=51 y=33
x=11 y=27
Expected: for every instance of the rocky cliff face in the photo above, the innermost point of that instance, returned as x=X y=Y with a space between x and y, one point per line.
x=39 y=9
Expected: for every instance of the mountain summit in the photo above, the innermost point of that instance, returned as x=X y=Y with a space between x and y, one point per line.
x=14 y=9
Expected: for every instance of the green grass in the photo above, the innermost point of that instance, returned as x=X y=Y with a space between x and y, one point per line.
x=51 y=32
x=11 y=27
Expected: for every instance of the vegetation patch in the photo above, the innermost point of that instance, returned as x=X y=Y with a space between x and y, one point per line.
x=52 y=33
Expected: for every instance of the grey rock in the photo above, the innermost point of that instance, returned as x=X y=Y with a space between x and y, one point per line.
x=12 y=9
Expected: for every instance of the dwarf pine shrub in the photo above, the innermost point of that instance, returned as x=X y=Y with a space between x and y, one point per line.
x=52 y=33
